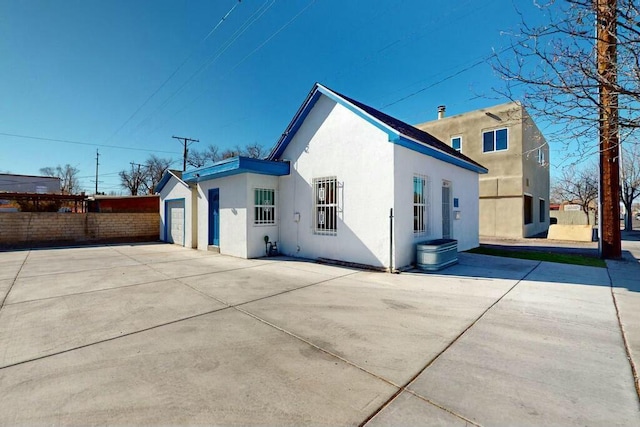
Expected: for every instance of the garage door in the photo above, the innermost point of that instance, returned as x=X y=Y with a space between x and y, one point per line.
x=175 y=225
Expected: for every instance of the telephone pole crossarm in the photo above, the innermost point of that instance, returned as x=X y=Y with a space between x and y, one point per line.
x=186 y=142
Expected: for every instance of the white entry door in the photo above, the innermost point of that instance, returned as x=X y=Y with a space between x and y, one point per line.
x=175 y=224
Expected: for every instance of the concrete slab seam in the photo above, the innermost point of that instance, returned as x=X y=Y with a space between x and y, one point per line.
x=182 y=319
x=447 y=347
x=350 y=363
x=306 y=341
x=13 y=282
x=88 y=292
x=150 y=265
x=634 y=370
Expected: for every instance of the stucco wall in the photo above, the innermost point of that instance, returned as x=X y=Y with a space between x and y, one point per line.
x=175 y=190
x=464 y=187
x=333 y=141
x=233 y=214
x=536 y=180
x=256 y=232
x=38 y=228
x=512 y=172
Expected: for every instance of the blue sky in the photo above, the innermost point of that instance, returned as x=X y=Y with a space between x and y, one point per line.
x=86 y=70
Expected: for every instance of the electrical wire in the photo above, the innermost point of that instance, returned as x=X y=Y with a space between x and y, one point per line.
x=278 y=31
x=174 y=72
x=66 y=141
x=226 y=45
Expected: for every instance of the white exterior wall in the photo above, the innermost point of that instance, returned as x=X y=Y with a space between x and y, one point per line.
x=256 y=233
x=333 y=141
x=173 y=190
x=464 y=187
x=233 y=214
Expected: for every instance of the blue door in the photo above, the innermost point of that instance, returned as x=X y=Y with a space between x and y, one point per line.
x=214 y=217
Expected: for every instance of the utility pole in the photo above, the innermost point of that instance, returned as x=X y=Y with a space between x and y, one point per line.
x=185 y=141
x=610 y=246
x=97 y=164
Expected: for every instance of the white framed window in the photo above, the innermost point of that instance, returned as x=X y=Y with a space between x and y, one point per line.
x=264 y=206
x=495 y=140
x=541 y=156
x=325 y=205
x=421 y=205
x=456 y=143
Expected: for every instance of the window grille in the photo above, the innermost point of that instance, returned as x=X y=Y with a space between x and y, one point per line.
x=421 y=202
x=265 y=206
x=325 y=205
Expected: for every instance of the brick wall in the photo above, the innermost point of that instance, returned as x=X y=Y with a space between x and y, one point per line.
x=40 y=228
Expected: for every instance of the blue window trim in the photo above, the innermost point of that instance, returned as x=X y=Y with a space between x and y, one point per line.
x=184 y=218
x=459 y=138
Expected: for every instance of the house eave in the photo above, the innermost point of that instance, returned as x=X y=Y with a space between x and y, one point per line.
x=235 y=166
x=421 y=148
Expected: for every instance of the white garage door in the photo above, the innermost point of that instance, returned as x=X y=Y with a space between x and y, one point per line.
x=175 y=218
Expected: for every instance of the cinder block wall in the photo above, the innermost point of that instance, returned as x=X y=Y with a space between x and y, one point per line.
x=36 y=228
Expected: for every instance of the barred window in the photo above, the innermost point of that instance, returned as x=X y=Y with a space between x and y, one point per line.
x=325 y=205
x=265 y=206
x=421 y=200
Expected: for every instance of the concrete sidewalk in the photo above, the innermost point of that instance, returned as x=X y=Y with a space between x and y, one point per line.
x=157 y=334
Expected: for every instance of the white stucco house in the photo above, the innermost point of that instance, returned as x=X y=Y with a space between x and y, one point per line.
x=344 y=182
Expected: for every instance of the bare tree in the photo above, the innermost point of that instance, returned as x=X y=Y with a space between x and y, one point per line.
x=577 y=186
x=199 y=159
x=581 y=70
x=551 y=68
x=133 y=179
x=255 y=151
x=68 y=177
x=630 y=188
x=155 y=167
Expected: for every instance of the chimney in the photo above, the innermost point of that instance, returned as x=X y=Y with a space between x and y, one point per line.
x=441 y=110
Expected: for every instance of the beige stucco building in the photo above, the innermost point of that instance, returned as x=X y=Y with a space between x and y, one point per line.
x=514 y=195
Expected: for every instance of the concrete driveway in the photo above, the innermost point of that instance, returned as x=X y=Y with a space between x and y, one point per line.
x=158 y=334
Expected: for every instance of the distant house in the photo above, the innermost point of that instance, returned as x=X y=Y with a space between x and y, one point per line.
x=514 y=195
x=10 y=183
x=344 y=182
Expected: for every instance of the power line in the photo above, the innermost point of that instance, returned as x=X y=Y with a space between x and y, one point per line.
x=449 y=77
x=174 y=72
x=66 y=141
x=226 y=45
x=279 y=30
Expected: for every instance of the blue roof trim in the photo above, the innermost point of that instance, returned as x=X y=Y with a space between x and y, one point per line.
x=234 y=166
x=306 y=108
x=391 y=133
x=436 y=154
x=398 y=132
x=165 y=180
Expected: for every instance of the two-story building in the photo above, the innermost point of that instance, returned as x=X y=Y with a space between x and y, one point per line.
x=514 y=195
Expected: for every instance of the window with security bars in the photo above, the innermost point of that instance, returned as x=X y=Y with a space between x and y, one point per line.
x=265 y=206
x=325 y=205
x=421 y=199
